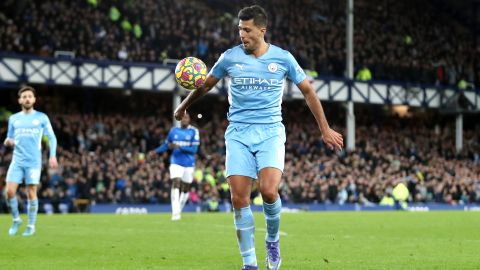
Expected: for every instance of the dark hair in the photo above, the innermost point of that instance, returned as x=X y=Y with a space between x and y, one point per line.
x=255 y=12
x=27 y=88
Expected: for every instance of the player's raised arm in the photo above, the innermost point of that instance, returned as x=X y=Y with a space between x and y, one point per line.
x=160 y=149
x=195 y=95
x=218 y=71
x=333 y=139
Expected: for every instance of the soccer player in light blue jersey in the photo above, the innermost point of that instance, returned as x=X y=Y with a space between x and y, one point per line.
x=255 y=137
x=25 y=132
x=183 y=142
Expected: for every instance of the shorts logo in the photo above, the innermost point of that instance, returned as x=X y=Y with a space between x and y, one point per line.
x=34 y=173
x=272 y=67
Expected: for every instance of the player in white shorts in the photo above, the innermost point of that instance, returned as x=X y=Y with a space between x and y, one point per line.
x=183 y=142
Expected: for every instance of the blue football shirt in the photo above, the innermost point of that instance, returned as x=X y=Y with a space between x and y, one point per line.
x=256 y=84
x=188 y=140
x=27 y=131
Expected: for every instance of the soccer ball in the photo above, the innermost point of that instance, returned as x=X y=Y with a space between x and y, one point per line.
x=190 y=73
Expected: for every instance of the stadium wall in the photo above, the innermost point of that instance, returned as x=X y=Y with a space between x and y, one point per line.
x=165 y=208
x=15 y=69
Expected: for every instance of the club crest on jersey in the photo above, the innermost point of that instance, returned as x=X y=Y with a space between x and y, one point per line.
x=272 y=67
x=36 y=122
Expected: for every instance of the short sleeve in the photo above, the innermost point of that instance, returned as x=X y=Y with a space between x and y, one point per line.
x=219 y=70
x=10 y=132
x=294 y=72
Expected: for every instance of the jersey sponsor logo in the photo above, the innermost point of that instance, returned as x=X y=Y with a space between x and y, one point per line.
x=256 y=83
x=272 y=67
x=182 y=143
x=26 y=131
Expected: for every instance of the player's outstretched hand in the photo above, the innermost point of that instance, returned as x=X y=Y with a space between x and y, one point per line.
x=52 y=162
x=9 y=142
x=179 y=113
x=173 y=146
x=333 y=139
x=152 y=154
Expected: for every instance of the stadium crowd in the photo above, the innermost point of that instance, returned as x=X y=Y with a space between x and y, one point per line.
x=406 y=41
x=103 y=159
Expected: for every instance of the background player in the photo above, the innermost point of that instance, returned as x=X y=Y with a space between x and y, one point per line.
x=183 y=142
x=25 y=132
x=255 y=137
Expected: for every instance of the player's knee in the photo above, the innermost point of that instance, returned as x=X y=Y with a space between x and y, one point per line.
x=176 y=182
x=10 y=193
x=240 y=201
x=185 y=187
x=269 y=195
x=31 y=192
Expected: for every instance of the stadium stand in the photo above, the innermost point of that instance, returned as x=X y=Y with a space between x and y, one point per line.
x=396 y=40
x=102 y=148
x=101 y=156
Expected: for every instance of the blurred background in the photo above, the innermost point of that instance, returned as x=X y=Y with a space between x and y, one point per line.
x=401 y=84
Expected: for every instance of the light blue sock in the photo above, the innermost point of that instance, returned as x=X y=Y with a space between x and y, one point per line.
x=32 y=210
x=13 y=203
x=272 y=219
x=245 y=235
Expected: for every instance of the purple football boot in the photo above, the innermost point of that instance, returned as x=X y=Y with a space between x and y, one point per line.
x=273 y=259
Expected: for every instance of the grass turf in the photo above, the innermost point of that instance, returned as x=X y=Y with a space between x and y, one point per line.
x=321 y=240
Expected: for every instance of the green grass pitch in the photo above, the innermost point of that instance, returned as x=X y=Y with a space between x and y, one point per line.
x=320 y=240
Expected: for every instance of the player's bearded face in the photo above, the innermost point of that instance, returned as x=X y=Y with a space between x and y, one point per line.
x=250 y=34
x=27 y=100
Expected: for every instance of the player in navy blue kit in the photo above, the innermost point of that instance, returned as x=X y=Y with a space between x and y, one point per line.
x=255 y=137
x=25 y=132
x=183 y=142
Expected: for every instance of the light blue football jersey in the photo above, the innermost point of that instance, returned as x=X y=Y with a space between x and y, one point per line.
x=256 y=84
x=188 y=139
x=27 y=131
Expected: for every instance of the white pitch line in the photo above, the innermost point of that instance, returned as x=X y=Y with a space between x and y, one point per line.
x=282 y=233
